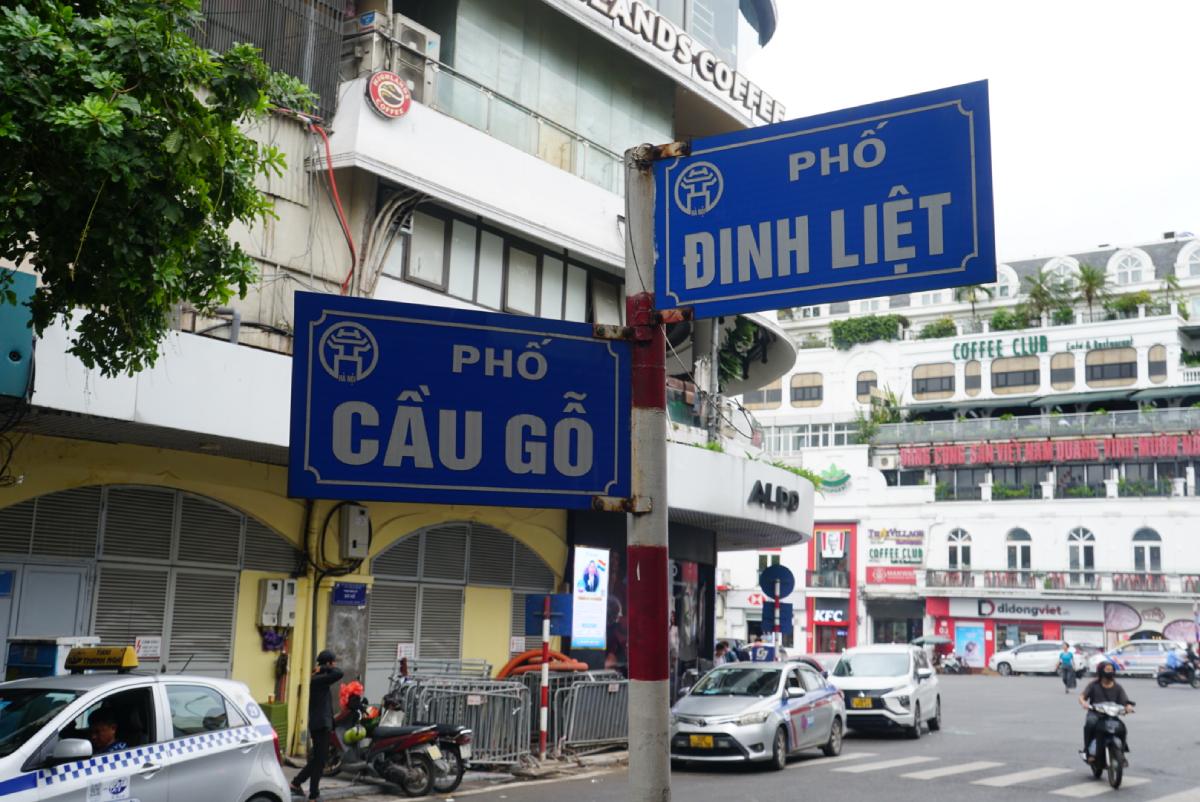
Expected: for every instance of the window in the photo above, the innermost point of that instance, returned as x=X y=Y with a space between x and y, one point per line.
x=1147 y=551
x=1015 y=374
x=521 y=294
x=1020 y=548
x=933 y=381
x=1081 y=551
x=128 y=716
x=867 y=381
x=973 y=378
x=464 y=239
x=427 y=251
x=1063 y=268
x=765 y=561
x=1062 y=371
x=932 y=298
x=810 y=311
x=1111 y=367
x=873 y=305
x=960 y=550
x=768 y=397
x=1130 y=266
x=196 y=709
x=812 y=682
x=1187 y=265
x=807 y=390
x=1158 y=364
x=1007 y=285
x=26 y=710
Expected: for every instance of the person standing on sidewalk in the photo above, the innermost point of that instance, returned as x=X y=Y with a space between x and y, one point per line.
x=320 y=723
x=1066 y=665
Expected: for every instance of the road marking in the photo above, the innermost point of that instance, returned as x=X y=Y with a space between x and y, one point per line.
x=1005 y=780
x=1095 y=788
x=818 y=762
x=514 y=786
x=947 y=771
x=886 y=764
x=1183 y=796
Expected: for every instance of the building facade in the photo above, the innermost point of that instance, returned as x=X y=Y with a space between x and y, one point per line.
x=152 y=508
x=999 y=474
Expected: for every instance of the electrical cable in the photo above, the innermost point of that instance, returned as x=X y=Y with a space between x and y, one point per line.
x=337 y=204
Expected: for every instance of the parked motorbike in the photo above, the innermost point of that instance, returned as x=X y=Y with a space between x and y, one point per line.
x=1186 y=674
x=453 y=741
x=951 y=664
x=1108 y=747
x=405 y=756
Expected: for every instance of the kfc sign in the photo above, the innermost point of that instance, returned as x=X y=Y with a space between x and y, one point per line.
x=829 y=616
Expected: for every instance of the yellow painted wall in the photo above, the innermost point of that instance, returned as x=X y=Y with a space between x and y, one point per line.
x=487 y=621
x=50 y=464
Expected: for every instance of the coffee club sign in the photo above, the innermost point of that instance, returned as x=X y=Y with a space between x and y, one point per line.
x=1052 y=451
x=643 y=22
x=896 y=546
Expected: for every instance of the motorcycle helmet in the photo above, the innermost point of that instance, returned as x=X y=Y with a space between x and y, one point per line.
x=1107 y=668
x=355 y=734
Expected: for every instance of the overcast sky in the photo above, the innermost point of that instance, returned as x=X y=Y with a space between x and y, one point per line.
x=1095 y=105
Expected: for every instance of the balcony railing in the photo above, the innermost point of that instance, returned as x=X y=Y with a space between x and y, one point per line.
x=1009 y=579
x=1105 y=581
x=828 y=579
x=1151 y=583
x=1092 y=424
x=1190 y=583
x=949 y=579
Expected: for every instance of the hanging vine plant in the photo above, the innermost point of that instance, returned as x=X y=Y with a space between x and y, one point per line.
x=737 y=351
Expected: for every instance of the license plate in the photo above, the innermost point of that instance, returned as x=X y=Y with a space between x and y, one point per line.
x=465 y=752
x=861 y=702
x=434 y=752
x=701 y=741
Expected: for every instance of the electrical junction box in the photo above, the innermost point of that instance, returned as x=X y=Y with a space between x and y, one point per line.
x=354 y=526
x=16 y=337
x=287 y=610
x=270 y=597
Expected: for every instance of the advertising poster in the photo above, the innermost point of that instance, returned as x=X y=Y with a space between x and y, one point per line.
x=968 y=644
x=590 y=595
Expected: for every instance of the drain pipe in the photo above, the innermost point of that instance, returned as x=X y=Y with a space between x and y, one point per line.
x=235 y=323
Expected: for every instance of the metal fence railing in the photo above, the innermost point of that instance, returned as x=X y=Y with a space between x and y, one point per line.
x=427 y=667
x=592 y=713
x=558 y=682
x=496 y=711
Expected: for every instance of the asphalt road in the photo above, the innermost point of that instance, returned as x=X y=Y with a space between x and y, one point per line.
x=1002 y=739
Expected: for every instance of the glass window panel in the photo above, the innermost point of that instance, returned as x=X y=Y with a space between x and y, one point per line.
x=552 y=288
x=521 y=290
x=462 y=260
x=491 y=270
x=576 y=302
x=1155 y=558
x=426 y=261
x=606 y=303
x=393 y=260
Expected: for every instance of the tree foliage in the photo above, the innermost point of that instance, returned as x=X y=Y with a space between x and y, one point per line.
x=1091 y=286
x=1045 y=292
x=124 y=165
x=865 y=329
x=942 y=327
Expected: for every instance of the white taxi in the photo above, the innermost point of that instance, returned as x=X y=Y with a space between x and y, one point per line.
x=109 y=737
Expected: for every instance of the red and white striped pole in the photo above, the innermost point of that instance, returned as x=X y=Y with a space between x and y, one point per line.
x=544 y=712
x=778 y=638
x=649 y=695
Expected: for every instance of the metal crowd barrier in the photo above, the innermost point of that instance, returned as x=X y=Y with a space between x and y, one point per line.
x=592 y=713
x=558 y=682
x=497 y=711
x=446 y=668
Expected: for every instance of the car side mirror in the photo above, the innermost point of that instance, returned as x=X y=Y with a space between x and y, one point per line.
x=68 y=750
x=924 y=673
x=825 y=674
x=795 y=693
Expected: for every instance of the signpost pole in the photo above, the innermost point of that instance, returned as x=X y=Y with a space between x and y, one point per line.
x=778 y=617
x=544 y=712
x=649 y=702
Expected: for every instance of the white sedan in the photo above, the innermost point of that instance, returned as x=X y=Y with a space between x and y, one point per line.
x=1035 y=657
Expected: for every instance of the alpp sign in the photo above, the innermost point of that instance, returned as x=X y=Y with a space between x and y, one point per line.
x=779 y=499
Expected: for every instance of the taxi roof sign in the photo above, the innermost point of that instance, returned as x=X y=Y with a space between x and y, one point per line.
x=119 y=658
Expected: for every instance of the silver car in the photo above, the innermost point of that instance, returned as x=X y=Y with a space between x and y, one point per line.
x=150 y=738
x=757 y=712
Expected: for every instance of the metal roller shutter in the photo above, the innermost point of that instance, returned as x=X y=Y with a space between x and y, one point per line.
x=202 y=616
x=440 y=635
x=491 y=557
x=445 y=553
x=530 y=571
x=265 y=550
x=139 y=523
x=401 y=560
x=16 y=528
x=393 y=620
x=131 y=601
x=208 y=532
x=65 y=524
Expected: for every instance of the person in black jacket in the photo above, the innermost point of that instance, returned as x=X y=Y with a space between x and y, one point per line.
x=320 y=723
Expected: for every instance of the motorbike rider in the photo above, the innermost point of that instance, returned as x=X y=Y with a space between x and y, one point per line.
x=1104 y=688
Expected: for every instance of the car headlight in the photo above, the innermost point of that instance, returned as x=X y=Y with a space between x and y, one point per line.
x=753 y=718
x=674 y=719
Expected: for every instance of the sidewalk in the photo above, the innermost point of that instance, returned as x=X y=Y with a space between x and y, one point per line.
x=346 y=789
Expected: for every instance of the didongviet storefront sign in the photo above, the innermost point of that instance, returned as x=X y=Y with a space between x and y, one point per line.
x=1027 y=610
x=1047 y=451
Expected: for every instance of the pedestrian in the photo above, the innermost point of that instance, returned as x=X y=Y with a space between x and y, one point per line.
x=320 y=723
x=722 y=655
x=1066 y=666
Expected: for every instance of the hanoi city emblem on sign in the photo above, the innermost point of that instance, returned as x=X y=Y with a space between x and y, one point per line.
x=698 y=188
x=348 y=352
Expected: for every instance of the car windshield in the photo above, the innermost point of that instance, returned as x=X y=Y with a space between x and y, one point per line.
x=24 y=711
x=871 y=665
x=738 y=681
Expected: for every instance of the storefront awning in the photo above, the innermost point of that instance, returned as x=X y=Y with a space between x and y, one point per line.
x=982 y=403
x=1167 y=392
x=1081 y=398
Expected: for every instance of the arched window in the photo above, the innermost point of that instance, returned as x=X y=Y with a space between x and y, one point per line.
x=1187 y=265
x=1157 y=362
x=1130 y=266
x=1147 y=551
x=1081 y=551
x=960 y=550
x=1007 y=285
x=1020 y=549
x=1064 y=267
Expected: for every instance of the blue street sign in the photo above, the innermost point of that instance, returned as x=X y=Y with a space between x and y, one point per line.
x=349 y=594
x=768 y=618
x=777 y=573
x=889 y=198
x=399 y=402
x=560 y=614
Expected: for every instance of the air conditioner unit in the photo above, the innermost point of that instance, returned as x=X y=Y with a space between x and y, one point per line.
x=415 y=55
x=363 y=50
x=883 y=462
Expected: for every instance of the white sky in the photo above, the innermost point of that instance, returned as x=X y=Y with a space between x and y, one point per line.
x=1095 y=105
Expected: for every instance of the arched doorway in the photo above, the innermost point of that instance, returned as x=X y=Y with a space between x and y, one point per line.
x=418 y=594
x=136 y=562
